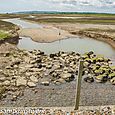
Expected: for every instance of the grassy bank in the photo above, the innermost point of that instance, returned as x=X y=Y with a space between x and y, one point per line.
x=5 y=16
x=83 y=20
x=6 y=26
x=4 y=35
x=7 y=30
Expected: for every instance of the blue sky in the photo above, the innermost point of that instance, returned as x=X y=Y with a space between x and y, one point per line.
x=58 y=5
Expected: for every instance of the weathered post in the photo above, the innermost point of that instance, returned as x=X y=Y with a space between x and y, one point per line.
x=78 y=86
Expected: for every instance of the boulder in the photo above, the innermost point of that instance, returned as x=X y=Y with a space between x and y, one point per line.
x=101 y=78
x=34 y=79
x=112 y=67
x=89 y=79
x=59 y=81
x=113 y=81
x=6 y=83
x=31 y=84
x=67 y=77
x=45 y=83
x=21 y=81
x=111 y=75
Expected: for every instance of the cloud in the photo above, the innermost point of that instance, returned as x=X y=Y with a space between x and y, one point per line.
x=58 y=5
x=95 y=3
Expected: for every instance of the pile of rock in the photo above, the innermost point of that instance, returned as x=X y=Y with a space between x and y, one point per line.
x=28 y=68
x=98 y=68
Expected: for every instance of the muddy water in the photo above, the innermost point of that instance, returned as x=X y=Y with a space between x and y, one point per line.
x=22 y=23
x=80 y=45
x=72 y=44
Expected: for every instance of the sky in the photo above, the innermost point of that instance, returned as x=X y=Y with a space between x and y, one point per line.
x=104 y=6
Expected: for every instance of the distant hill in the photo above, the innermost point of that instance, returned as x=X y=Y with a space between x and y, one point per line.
x=36 y=12
x=55 y=12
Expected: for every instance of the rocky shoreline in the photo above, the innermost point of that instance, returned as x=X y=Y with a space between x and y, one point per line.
x=29 y=68
x=58 y=67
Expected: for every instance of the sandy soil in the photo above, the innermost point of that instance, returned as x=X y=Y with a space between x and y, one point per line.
x=77 y=26
x=45 y=34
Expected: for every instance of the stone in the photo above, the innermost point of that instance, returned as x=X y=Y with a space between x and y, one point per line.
x=52 y=55
x=100 y=59
x=28 y=74
x=8 y=67
x=65 y=75
x=34 y=79
x=89 y=79
x=98 y=71
x=49 y=66
x=45 y=83
x=101 y=78
x=111 y=75
x=55 y=75
x=21 y=81
x=2 y=78
x=29 y=66
x=68 y=77
x=6 y=83
x=34 y=70
x=86 y=64
x=2 y=91
x=27 y=59
x=33 y=62
x=31 y=84
x=15 y=67
x=16 y=62
x=85 y=56
x=14 y=98
x=112 y=67
x=64 y=55
x=113 y=81
x=61 y=80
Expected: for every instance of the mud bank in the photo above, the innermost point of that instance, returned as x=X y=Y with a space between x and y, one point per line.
x=44 y=35
x=103 y=33
x=13 y=40
x=98 y=36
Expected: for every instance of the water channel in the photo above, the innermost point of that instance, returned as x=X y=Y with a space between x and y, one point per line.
x=78 y=44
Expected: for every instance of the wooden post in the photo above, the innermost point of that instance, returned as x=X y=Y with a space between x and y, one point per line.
x=78 y=87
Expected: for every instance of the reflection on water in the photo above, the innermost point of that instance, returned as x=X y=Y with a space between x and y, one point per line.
x=71 y=44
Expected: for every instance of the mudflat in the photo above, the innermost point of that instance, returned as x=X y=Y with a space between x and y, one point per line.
x=45 y=34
